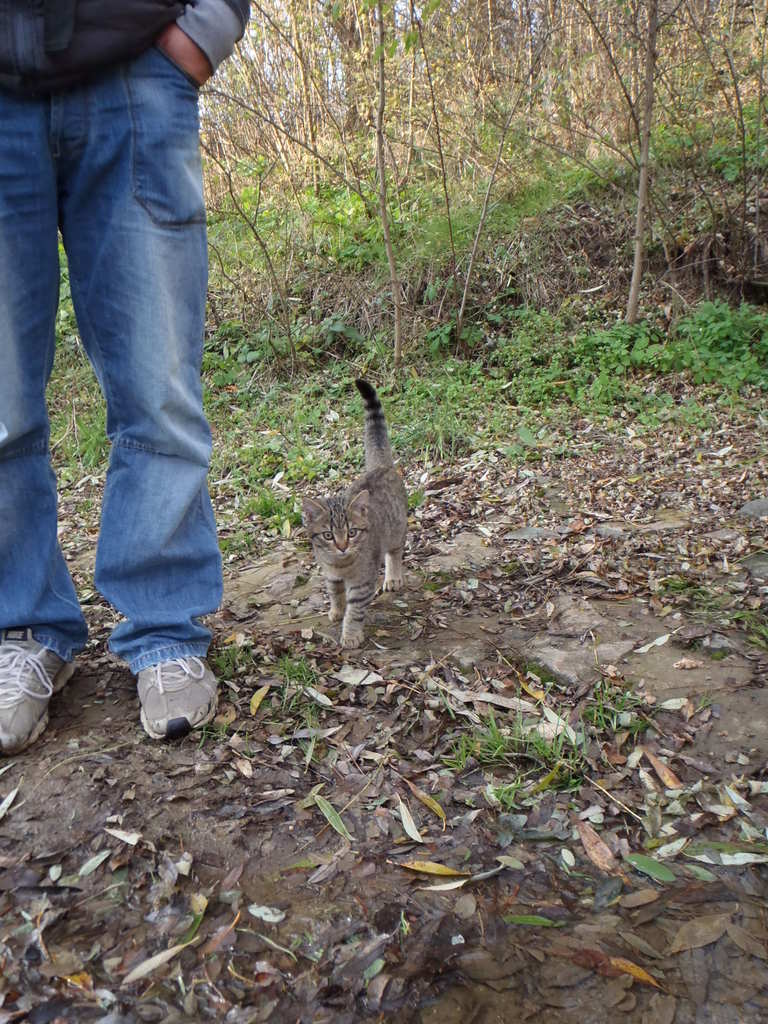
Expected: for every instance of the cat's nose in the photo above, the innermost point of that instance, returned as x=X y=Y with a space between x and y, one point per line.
x=342 y=545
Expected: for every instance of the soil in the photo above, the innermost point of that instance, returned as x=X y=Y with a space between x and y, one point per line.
x=217 y=852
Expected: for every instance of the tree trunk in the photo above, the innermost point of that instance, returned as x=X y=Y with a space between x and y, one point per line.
x=306 y=94
x=396 y=298
x=645 y=142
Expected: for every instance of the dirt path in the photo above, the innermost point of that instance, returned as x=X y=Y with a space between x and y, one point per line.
x=220 y=850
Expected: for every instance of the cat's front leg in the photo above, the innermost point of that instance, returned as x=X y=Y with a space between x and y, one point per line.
x=337 y=597
x=359 y=596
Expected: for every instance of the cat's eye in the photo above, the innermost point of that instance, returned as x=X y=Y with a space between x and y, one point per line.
x=328 y=535
x=353 y=532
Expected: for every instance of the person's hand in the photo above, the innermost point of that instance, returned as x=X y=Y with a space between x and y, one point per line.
x=182 y=51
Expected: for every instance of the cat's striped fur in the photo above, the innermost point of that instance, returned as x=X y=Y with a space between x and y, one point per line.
x=355 y=530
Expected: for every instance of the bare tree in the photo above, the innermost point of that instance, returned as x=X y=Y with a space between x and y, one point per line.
x=645 y=143
x=383 y=206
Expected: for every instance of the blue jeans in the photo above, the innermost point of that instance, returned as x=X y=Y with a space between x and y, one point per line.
x=115 y=166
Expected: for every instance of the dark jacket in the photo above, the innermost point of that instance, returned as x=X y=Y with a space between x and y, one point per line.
x=48 y=45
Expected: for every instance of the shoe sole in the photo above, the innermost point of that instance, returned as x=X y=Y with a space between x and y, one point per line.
x=153 y=734
x=60 y=680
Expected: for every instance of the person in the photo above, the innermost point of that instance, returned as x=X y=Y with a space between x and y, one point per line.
x=99 y=140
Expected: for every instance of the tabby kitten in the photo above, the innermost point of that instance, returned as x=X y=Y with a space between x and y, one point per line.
x=353 y=531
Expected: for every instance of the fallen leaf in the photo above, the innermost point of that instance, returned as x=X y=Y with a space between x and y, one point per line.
x=219 y=937
x=685 y=664
x=465 y=906
x=559 y=723
x=627 y=967
x=651 y=867
x=232 y=877
x=739 y=859
x=408 y=823
x=131 y=838
x=672 y=849
x=357 y=676
x=184 y=863
x=639 y=898
x=532 y=920
x=332 y=817
x=661 y=1010
x=663 y=771
x=700 y=931
x=152 y=963
x=486 y=697
x=427 y=800
x=7 y=802
x=63 y=963
x=257 y=698
x=320 y=698
x=93 y=862
x=272 y=915
x=736 y=799
x=457 y=883
x=430 y=867
x=596 y=848
x=244 y=766
x=373 y=969
x=746 y=941
x=81 y=980
x=198 y=904
x=510 y=862
x=658 y=642
x=225 y=717
x=701 y=873
x=533 y=691
x=674 y=704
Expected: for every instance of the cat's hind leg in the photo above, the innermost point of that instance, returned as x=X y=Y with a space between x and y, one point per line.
x=393 y=569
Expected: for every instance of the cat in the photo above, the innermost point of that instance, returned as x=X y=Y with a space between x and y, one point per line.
x=353 y=531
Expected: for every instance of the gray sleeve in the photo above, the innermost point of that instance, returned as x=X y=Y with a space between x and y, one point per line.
x=214 y=25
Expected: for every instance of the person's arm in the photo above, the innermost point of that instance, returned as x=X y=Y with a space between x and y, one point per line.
x=204 y=35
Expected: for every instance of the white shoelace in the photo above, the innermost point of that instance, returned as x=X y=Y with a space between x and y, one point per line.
x=15 y=662
x=177 y=672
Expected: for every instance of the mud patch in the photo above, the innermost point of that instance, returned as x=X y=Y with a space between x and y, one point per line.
x=208 y=880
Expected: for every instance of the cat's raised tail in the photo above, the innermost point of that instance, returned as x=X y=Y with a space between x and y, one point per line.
x=378 y=452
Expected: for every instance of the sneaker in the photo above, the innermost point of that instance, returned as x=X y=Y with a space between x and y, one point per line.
x=29 y=675
x=176 y=696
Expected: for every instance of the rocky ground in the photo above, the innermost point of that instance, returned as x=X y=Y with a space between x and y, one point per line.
x=539 y=791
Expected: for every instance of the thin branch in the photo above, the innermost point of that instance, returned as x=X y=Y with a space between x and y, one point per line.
x=287 y=325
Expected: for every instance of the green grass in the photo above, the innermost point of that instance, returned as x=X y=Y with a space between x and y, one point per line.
x=297 y=674
x=518 y=747
x=755 y=624
x=232 y=660
x=541 y=369
x=526 y=763
x=271 y=508
x=710 y=605
x=611 y=709
x=514 y=386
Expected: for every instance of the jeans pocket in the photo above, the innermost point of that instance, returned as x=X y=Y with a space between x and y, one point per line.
x=167 y=168
x=195 y=85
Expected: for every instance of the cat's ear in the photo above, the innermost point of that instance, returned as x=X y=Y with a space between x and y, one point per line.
x=312 y=510
x=357 y=510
